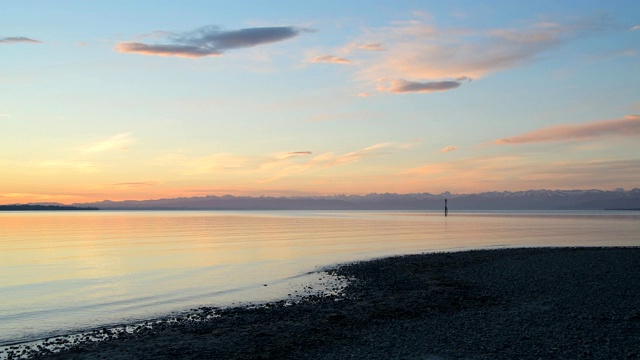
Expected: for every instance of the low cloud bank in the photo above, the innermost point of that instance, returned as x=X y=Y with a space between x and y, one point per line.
x=627 y=126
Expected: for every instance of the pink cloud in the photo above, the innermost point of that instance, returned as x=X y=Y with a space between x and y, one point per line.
x=627 y=126
x=448 y=149
x=419 y=52
x=372 y=47
x=329 y=59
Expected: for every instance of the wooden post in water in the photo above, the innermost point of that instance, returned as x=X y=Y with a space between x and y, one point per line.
x=446 y=209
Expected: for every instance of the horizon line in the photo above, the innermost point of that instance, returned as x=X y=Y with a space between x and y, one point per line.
x=445 y=193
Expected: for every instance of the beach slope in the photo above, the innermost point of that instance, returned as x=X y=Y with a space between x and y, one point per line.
x=486 y=304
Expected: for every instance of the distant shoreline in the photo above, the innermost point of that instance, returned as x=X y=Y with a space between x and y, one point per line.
x=26 y=207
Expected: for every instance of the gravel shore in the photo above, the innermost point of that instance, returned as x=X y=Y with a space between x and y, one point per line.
x=489 y=304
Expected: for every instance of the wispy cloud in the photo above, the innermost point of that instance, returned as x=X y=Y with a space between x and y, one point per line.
x=331 y=159
x=627 y=126
x=372 y=47
x=292 y=154
x=329 y=59
x=138 y=184
x=515 y=172
x=448 y=149
x=274 y=162
x=404 y=86
x=18 y=39
x=363 y=47
x=271 y=167
x=419 y=53
x=229 y=163
x=218 y=162
x=210 y=41
x=117 y=142
x=634 y=28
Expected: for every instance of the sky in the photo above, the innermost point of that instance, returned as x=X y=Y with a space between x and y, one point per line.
x=160 y=99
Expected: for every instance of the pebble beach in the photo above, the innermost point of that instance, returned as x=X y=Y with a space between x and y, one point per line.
x=578 y=303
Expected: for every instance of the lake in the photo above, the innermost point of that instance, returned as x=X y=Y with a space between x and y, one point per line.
x=62 y=272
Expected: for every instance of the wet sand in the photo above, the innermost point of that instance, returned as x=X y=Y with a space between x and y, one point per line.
x=488 y=304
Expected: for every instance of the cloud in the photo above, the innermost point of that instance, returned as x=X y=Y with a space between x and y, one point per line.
x=634 y=28
x=372 y=47
x=448 y=149
x=274 y=162
x=329 y=59
x=165 y=50
x=299 y=153
x=229 y=163
x=138 y=183
x=517 y=172
x=595 y=173
x=210 y=41
x=404 y=86
x=289 y=155
x=419 y=52
x=271 y=167
x=117 y=142
x=218 y=162
x=332 y=159
x=18 y=39
x=363 y=47
x=627 y=126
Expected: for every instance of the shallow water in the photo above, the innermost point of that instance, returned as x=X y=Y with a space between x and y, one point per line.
x=61 y=272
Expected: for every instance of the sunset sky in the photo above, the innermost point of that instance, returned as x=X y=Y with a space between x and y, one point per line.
x=154 y=99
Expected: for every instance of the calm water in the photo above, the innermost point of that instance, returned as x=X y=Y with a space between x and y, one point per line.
x=61 y=272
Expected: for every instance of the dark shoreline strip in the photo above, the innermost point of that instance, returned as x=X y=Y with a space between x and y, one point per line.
x=484 y=304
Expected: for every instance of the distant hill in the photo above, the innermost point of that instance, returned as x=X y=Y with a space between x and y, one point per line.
x=506 y=200
x=39 y=207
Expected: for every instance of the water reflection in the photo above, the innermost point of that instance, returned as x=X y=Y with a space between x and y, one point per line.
x=68 y=270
